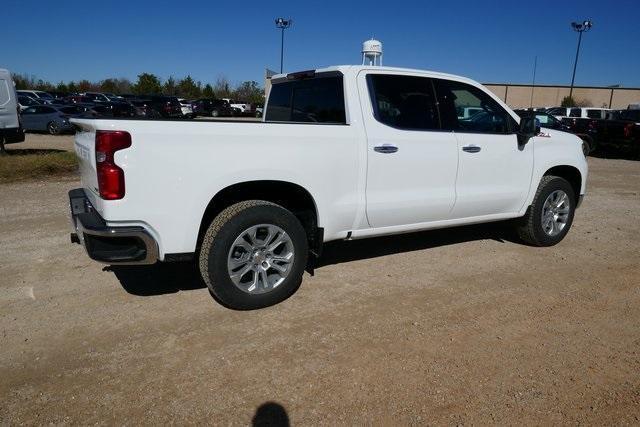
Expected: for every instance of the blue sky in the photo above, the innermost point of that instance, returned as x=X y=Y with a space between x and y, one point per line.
x=490 y=41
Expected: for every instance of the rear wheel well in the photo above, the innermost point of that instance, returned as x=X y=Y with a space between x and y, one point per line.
x=286 y=194
x=571 y=174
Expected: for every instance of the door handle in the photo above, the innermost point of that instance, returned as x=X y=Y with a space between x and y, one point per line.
x=471 y=148
x=385 y=148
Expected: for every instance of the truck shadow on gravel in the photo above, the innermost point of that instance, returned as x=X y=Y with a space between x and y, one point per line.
x=339 y=252
x=169 y=278
x=158 y=279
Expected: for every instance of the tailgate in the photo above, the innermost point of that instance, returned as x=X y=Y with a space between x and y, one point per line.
x=85 y=144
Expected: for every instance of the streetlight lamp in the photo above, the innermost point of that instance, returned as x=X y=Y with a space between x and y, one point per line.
x=283 y=24
x=580 y=27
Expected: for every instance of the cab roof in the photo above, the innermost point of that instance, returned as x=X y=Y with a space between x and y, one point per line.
x=347 y=69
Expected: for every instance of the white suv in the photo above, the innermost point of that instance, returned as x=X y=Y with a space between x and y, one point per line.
x=579 y=112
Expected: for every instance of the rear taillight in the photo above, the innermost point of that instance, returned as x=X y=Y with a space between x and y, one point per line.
x=628 y=130
x=110 y=175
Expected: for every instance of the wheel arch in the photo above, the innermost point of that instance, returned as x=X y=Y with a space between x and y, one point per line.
x=571 y=174
x=291 y=196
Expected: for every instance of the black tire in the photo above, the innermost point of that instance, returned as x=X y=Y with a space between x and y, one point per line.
x=530 y=228
x=588 y=145
x=219 y=238
x=53 y=128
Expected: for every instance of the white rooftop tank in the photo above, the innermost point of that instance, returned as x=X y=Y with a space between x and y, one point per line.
x=372 y=52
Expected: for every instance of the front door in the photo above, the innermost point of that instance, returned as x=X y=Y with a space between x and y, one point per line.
x=494 y=172
x=412 y=164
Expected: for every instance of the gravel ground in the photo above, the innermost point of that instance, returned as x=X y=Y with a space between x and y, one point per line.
x=459 y=326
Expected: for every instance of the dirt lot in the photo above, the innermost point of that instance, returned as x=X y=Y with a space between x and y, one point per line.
x=446 y=327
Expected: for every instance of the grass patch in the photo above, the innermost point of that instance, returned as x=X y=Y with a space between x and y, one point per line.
x=20 y=165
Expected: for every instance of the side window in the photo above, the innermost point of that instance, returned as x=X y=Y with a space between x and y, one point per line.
x=466 y=108
x=543 y=118
x=594 y=114
x=4 y=92
x=46 y=110
x=30 y=110
x=575 y=112
x=404 y=102
x=316 y=100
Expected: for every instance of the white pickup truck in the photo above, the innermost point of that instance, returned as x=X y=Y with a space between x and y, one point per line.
x=344 y=152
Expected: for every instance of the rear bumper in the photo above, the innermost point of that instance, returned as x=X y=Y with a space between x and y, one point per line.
x=108 y=244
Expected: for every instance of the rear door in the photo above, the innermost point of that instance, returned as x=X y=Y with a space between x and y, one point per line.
x=494 y=172
x=30 y=118
x=412 y=164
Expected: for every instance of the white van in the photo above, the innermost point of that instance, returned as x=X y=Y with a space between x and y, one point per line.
x=10 y=126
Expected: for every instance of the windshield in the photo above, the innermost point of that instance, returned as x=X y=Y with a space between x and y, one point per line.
x=44 y=95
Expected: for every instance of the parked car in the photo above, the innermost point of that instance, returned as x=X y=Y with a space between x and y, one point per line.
x=578 y=112
x=58 y=95
x=26 y=101
x=46 y=118
x=186 y=108
x=211 y=107
x=75 y=99
x=622 y=134
x=167 y=106
x=114 y=98
x=11 y=130
x=546 y=120
x=97 y=97
x=44 y=97
x=345 y=152
x=144 y=109
x=241 y=108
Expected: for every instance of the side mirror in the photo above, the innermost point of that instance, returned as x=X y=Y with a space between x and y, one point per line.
x=529 y=127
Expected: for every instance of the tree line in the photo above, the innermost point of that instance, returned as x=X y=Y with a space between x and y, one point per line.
x=150 y=84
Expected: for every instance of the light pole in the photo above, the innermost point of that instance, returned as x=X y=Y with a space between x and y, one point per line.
x=283 y=24
x=580 y=27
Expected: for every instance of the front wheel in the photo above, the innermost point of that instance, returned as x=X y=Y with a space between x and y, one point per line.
x=550 y=216
x=215 y=113
x=53 y=128
x=253 y=255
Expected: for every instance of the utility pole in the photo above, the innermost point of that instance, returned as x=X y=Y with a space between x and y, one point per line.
x=283 y=24
x=580 y=28
x=533 y=83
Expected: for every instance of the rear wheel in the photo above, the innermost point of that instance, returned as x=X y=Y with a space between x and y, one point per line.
x=253 y=255
x=53 y=128
x=215 y=113
x=550 y=216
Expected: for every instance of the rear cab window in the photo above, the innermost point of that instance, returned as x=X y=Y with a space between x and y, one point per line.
x=319 y=99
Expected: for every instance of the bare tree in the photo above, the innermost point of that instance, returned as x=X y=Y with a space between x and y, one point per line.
x=222 y=87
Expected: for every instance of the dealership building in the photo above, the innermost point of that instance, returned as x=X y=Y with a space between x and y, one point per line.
x=524 y=96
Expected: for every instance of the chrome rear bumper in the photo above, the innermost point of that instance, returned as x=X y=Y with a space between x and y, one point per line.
x=107 y=244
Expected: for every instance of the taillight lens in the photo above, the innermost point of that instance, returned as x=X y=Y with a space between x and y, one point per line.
x=110 y=175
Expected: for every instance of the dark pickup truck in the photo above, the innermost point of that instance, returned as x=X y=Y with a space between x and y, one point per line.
x=620 y=133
